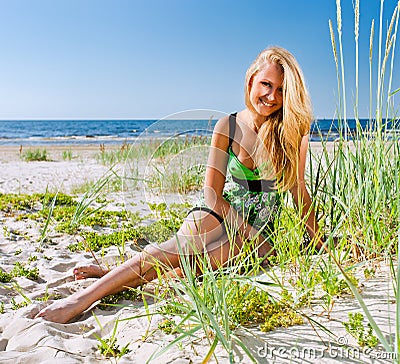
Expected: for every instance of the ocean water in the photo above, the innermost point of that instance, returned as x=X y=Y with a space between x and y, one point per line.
x=70 y=132
x=48 y=132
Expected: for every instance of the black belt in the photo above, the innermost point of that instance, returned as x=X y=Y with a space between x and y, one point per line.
x=259 y=185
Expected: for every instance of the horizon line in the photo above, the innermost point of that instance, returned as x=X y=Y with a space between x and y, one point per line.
x=151 y=118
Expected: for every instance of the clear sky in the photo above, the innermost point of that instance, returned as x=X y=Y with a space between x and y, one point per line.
x=99 y=59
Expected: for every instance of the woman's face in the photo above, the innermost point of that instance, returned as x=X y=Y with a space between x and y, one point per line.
x=266 y=93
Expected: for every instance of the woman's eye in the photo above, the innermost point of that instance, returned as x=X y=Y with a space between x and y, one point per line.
x=267 y=84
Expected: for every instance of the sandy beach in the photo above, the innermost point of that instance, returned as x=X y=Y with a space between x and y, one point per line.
x=27 y=340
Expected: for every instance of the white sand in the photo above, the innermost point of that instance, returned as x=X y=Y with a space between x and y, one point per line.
x=27 y=340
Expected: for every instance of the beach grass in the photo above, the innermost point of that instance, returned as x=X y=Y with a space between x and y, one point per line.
x=32 y=155
x=360 y=188
x=149 y=149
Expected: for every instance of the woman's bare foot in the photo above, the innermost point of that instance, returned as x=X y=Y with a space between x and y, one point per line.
x=89 y=271
x=62 y=311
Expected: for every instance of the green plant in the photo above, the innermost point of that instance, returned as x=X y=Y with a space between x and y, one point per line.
x=333 y=283
x=25 y=299
x=131 y=294
x=168 y=326
x=6 y=232
x=183 y=180
x=369 y=273
x=113 y=156
x=109 y=346
x=20 y=270
x=95 y=241
x=67 y=155
x=169 y=220
x=16 y=306
x=46 y=225
x=49 y=296
x=248 y=304
x=35 y=155
x=17 y=202
x=82 y=208
x=154 y=148
x=355 y=327
x=5 y=277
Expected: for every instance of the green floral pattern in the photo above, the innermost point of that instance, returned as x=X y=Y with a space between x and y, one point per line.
x=259 y=209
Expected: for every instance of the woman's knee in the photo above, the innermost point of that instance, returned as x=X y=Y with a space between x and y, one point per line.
x=201 y=224
x=188 y=228
x=162 y=254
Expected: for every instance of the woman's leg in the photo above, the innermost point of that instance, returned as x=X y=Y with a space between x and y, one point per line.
x=219 y=251
x=198 y=230
x=89 y=271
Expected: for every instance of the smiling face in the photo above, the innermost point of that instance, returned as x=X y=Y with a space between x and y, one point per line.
x=265 y=90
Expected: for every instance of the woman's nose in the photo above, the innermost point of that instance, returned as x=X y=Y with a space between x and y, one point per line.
x=272 y=94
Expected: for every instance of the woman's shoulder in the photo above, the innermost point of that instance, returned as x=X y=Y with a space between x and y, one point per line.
x=221 y=132
x=221 y=128
x=222 y=124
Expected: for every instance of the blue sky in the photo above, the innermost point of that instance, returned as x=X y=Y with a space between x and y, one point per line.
x=99 y=59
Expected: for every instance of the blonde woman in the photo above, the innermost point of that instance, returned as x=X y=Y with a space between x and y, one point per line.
x=263 y=148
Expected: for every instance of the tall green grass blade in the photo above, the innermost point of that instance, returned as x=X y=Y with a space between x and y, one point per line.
x=87 y=199
x=397 y=292
x=210 y=352
x=48 y=219
x=356 y=35
x=394 y=92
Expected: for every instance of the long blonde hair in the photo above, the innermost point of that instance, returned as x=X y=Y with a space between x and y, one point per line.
x=282 y=131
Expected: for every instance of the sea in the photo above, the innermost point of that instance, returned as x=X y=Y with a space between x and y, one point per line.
x=80 y=132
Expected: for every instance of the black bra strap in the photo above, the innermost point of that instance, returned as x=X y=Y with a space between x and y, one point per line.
x=232 y=128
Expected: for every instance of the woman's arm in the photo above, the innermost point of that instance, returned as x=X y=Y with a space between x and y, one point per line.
x=215 y=180
x=302 y=198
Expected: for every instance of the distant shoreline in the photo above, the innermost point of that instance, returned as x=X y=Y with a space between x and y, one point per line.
x=96 y=146
x=13 y=153
x=74 y=132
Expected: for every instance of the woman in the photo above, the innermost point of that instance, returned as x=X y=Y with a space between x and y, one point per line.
x=264 y=148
